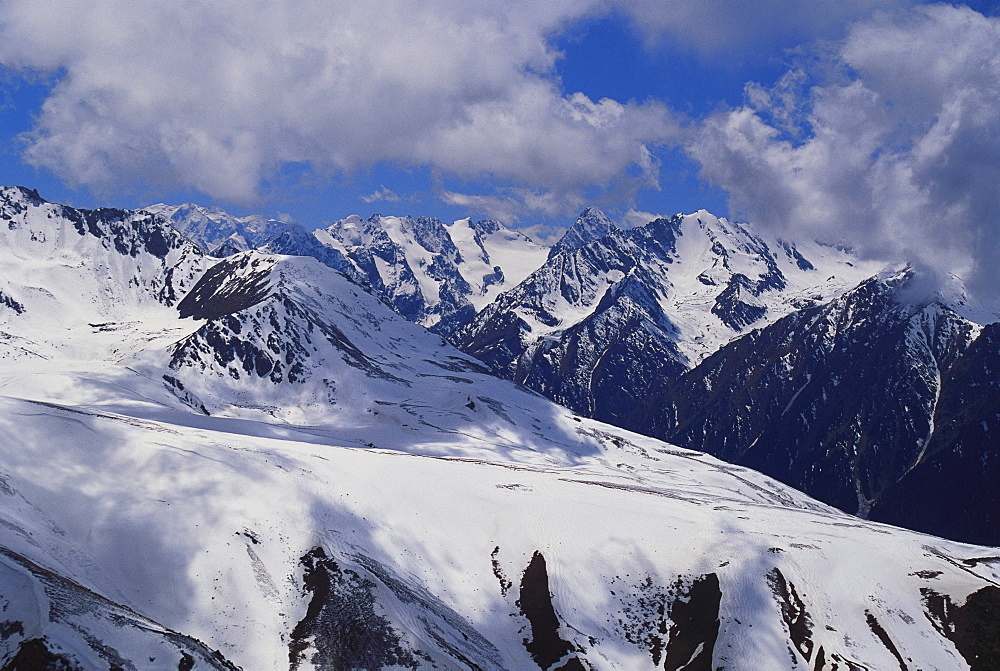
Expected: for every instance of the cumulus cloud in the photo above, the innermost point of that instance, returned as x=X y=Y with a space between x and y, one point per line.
x=383 y=193
x=510 y=203
x=502 y=208
x=893 y=143
x=633 y=218
x=219 y=95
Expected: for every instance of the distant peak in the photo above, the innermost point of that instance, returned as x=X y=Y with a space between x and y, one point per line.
x=293 y=231
x=349 y=220
x=592 y=213
x=592 y=224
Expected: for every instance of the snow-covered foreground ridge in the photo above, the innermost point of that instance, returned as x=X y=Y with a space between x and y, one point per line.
x=291 y=476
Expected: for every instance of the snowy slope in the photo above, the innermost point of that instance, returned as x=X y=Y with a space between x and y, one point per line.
x=76 y=281
x=259 y=547
x=494 y=258
x=361 y=495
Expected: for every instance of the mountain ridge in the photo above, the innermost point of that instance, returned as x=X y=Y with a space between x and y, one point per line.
x=842 y=400
x=680 y=286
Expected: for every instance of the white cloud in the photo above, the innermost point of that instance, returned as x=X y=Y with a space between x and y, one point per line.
x=633 y=218
x=510 y=204
x=899 y=149
x=383 y=193
x=218 y=96
x=505 y=208
x=732 y=30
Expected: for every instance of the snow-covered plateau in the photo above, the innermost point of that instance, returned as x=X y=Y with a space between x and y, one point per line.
x=254 y=462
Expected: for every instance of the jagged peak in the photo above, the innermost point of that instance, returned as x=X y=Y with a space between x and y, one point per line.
x=211 y=227
x=591 y=216
x=293 y=231
x=591 y=225
x=591 y=211
x=353 y=219
x=187 y=209
x=129 y=232
x=428 y=221
x=895 y=291
x=487 y=226
x=22 y=193
x=227 y=248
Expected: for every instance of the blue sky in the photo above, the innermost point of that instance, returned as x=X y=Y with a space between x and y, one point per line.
x=602 y=57
x=255 y=128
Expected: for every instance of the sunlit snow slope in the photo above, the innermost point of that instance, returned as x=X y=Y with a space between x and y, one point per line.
x=435 y=274
x=276 y=471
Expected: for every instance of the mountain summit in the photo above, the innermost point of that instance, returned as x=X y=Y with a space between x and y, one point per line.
x=592 y=224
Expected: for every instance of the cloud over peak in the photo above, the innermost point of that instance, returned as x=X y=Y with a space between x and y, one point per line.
x=217 y=96
x=894 y=144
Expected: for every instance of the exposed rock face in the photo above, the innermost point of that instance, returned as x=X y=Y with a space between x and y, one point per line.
x=342 y=628
x=943 y=493
x=871 y=404
x=974 y=626
x=591 y=225
x=546 y=646
x=603 y=319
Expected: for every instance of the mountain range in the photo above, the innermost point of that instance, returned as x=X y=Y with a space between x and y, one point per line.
x=256 y=462
x=594 y=325
x=216 y=231
x=436 y=275
x=619 y=324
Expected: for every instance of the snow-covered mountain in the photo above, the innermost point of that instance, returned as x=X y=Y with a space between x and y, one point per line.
x=871 y=403
x=215 y=230
x=592 y=328
x=84 y=276
x=289 y=475
x=435 y=275
x=294 y=240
